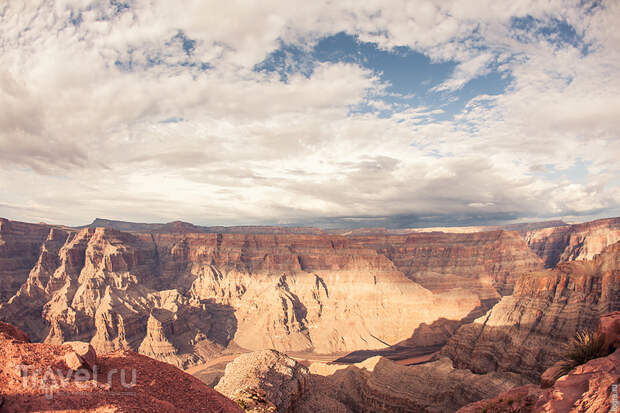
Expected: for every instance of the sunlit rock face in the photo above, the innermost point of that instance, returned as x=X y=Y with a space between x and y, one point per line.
x=184 y=296
x=573 y=242
x=525 y=332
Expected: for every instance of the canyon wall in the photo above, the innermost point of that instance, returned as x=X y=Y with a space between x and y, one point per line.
x=526 y=332
x=573 y=242
x=588 y=387
x=487 y=262
x=19 y=249
x=184 y=297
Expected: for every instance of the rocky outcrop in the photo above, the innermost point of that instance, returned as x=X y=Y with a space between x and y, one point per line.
x=33 y=377
x=591 y=387
x=102 y=286
x=82 y=355
x=526 y=332
x=609 y=328
x=573 y=242
x=267 y=380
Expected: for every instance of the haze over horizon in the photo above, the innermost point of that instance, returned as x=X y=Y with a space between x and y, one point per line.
x=385 y=113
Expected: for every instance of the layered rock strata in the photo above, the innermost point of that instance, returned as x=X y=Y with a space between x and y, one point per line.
x=184 y=297
x=591 y=387
x=526 y=332
x=19 y=248
x=573 y=242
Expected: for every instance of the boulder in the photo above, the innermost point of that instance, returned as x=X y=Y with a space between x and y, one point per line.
x=73 y=361
x=265 y=381
x=550 y=375
x=83 y=355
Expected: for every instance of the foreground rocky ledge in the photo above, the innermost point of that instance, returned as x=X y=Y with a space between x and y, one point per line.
x=34 y=377
x=268 y=381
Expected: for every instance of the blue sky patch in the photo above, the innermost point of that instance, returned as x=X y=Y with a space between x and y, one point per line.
x=556 y=31
x=411 y=76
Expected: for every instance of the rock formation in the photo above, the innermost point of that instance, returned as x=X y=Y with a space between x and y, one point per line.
x=587 y=388
x=185 y=294
x=525 y=332
x=488 y=262
x=183 y=297
x=573 y=242
x=267 y=379
x=33 y=377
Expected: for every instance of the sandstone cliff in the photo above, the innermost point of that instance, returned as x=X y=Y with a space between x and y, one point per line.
x=34 y=377
x=488 y=262
x=525 y=332
x=573 y=242
x=184 y=297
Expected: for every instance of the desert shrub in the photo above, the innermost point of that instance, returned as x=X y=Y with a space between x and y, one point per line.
x=585 y=346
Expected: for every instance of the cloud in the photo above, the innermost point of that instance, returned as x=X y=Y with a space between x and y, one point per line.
x=466 y=71
x=89 y=92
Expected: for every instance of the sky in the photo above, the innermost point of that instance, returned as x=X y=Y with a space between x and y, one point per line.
x=330 y=113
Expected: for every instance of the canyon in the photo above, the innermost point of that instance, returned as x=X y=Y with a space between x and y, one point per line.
x=485 y=309
x=183 y=297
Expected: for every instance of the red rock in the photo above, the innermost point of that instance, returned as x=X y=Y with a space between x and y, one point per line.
x=73 y=361
x=609 y=327
x=83 y=355
x=10 y=332
x=50 y=387
x=587 y=388
x=549 y=377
